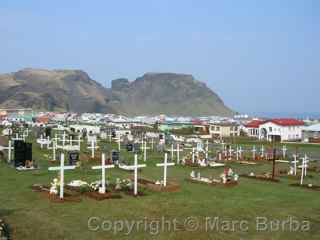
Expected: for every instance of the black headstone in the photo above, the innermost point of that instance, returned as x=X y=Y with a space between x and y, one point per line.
x=19 y=153
x=113 y=134
x=115 y=156
x=136 y=147
x=48 y=132
x=28 y=151
x=129 y=147
x=73 y=157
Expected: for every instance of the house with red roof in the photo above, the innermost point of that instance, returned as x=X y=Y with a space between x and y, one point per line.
x=281 y=129
x=252 y=127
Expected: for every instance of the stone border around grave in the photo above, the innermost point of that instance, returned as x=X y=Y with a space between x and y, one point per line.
x=44 y=191
x=96 y=195
x=261 y=178
x=213 y=184
x=149 y=184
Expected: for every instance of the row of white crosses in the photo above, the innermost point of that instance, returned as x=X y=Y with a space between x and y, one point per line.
x=239 y=152
x=69 y=147
x=103 y=168
x=177 y=150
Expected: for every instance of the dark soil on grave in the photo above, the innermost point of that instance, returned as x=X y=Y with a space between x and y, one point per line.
x=228 y=184
x=261 y=178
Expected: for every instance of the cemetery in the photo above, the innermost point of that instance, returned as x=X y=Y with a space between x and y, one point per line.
x=62 y=170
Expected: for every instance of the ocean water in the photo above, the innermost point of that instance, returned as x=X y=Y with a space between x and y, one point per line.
x=287 y=115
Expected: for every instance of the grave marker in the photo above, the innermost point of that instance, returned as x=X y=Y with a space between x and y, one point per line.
x=61 y=168
x=165 y=165
x=103 y=168
x=135 y=167
x=9 y=148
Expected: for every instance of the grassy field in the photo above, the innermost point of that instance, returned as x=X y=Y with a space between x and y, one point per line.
x=31 y=216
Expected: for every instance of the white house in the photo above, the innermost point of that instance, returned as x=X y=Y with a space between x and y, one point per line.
x=311 y=133
x=281 y=130
x=252 y=127
x=88 y=128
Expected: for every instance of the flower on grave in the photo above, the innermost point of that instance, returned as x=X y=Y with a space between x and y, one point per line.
x=229 y=175
x=118 y=184
x=77 y=183
x=55 y=186
x=95 y=185
x=127 y=183
x=291 y=171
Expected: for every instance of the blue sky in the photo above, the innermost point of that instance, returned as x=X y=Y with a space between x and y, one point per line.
x=259 y=56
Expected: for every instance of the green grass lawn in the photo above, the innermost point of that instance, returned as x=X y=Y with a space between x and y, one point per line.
x=33 y=217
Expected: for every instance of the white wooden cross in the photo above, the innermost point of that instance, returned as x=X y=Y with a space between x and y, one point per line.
x=93 y=146
x=238 y=151
x=119 y=142
x=178 y=153
x=172 y=151
x=230 y=152
x=306 y=161
x=54 y=148
x=64 y=138
x=262 y=150
x=103 y=168
x=144 y=148
x=254 y=150
x=295 y=161
x=165 y=165
x=193 y=155
x=135 y=167
x=61 y=168
x=9 y=148
x=77 y=141
x=152 y=143
x=43 y=141
x=284 y=151
x=207 y=150
x=25 y=133
x=304 y=167
x=17 y=138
